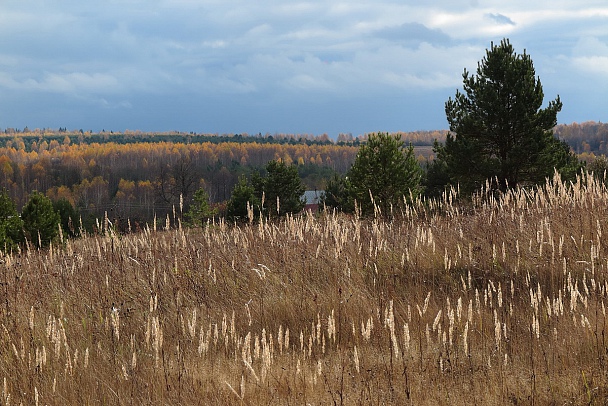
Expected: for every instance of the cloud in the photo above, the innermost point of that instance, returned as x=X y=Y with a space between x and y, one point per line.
x=307 y=82
x=500 y=18
x=591 y=46
x=597 y=65
x=122 y=104
x=413 y=34
x=591 y=57
x=74 y=82
x=118 y=56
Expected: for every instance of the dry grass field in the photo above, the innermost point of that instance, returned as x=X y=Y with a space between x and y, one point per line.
x=499 y=301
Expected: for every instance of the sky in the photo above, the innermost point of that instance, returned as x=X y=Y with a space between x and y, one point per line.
x=271 y=66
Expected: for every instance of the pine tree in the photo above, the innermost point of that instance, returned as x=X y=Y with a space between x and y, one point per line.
x=281 y=188
x=11 y=225
x=337 y=194
x=498 y=129
x=200 y=210
x=40 y=220
x=242 y=198
x=385 y=171
x=70 y=220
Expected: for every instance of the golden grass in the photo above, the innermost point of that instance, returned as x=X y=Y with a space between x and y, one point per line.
x=498 y=302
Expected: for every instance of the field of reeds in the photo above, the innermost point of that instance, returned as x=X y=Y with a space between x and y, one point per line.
x=501 y=300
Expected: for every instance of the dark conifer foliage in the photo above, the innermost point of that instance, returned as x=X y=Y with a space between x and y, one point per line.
x=499 y=129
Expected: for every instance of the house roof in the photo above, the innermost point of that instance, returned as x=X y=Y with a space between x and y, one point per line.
x=312 y=196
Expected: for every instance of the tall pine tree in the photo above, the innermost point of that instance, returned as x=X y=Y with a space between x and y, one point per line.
x=498 y=129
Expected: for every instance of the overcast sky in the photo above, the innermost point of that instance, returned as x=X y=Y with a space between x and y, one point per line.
x=314 y=67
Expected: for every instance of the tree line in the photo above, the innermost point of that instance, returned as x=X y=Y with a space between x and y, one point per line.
x=589 y=138
x=32 y=140
x=136 y=179
x=499 y=131
x=500 y=135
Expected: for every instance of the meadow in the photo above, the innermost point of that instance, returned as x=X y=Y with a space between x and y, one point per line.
x=500 y=300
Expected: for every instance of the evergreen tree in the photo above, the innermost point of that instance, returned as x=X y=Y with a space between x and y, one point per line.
x=242 y=195
x=436 y=177
x=498 y=129
x=40 y=220
x=337 y=194
x=11 y=225
x=599 y=168
x=69 y=219
x=200 y=210
x=281 y=186
x=385 y=171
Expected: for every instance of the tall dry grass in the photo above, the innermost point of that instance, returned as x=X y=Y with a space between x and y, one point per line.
x=501 y=301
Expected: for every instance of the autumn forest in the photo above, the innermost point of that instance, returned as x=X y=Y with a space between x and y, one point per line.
x=135 y=175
